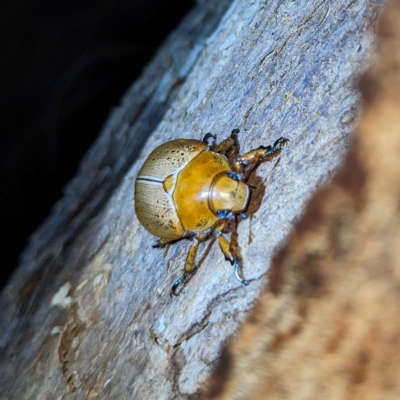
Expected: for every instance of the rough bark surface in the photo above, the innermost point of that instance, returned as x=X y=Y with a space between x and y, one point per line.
x=327 y=326
x=88 y=314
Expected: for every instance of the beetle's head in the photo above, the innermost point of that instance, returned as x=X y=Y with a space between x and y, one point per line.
x=229 y=193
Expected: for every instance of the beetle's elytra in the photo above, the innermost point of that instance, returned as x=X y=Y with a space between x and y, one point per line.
x=195 y=189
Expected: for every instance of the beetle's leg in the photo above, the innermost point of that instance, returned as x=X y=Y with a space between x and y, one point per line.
x=189 y=263
x=251 y=160
x=230 y=146
x=229 y=255
x=189 y=266
x=230 y=142
x=164 y=244
x=230 y=250
x=161 y=243
x=210 y=143
x=180 y=281
x=191 y=256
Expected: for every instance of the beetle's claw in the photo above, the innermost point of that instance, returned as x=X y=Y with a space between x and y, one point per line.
x=207 y=138
x=281 y=142
x=238 y=273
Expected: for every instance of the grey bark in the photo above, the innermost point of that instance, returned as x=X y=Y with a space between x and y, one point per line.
x=88 y=313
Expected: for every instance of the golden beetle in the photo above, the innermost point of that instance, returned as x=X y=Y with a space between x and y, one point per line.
x=195 y=189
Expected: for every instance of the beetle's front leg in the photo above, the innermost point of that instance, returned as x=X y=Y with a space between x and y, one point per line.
x=230 y=250
x=251 y=160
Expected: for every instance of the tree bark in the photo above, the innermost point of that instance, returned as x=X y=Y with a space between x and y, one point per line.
x=88 y=313
x=327 y=325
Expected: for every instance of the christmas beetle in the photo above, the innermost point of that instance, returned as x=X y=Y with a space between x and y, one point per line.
x=194 y=189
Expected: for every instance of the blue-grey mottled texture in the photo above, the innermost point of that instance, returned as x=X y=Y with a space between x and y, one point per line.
x=270 y=68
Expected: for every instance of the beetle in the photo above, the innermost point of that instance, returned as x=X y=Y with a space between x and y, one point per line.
x=193 y=189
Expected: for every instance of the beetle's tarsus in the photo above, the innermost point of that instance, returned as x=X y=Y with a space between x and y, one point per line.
x=207 y=137
x=180 y=281
x=162 y=243
x=159 y=244
x=235 y=132
x=238 y=273
x=278 y=145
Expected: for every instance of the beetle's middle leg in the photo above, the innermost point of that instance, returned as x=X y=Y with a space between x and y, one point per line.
x=230 y=250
